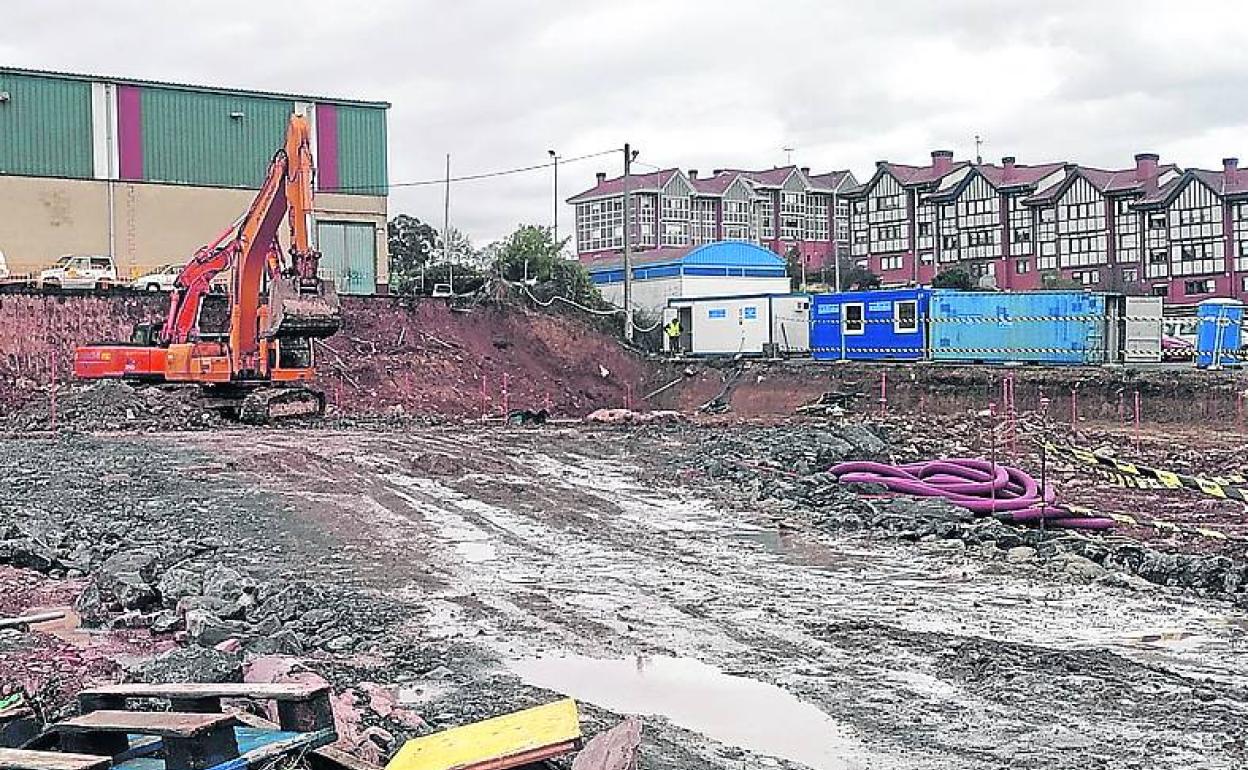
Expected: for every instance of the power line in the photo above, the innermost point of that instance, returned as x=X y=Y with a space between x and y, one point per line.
x=474 y=177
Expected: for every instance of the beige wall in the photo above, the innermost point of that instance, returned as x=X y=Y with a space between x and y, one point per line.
x=41 y=219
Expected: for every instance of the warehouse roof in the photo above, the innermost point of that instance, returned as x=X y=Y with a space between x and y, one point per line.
x=189 y=87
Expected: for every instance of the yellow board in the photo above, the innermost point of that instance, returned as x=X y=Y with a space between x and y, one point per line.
x=479 y=743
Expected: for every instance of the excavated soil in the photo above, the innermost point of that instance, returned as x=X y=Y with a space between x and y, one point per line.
x=485 y=570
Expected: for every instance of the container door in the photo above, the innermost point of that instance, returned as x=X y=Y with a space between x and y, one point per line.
x=1142 y=342
x=348 y=256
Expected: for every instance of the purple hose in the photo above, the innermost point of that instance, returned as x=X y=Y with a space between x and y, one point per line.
x=978 y=485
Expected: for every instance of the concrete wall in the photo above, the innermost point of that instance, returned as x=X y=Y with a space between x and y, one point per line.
x=652 y=295
x=153 y=224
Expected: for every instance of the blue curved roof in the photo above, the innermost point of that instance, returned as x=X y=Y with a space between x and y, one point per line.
x=732 y=254
x=718 y=254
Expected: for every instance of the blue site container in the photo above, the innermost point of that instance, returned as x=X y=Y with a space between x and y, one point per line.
x=1219 y=333
x=1049 y=327
x=884 y=325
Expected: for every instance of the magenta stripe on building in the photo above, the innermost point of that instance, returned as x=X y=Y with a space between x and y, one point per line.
x=327 y=147
x=130 y=132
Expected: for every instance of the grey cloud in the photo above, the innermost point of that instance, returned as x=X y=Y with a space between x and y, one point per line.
x=699 y=83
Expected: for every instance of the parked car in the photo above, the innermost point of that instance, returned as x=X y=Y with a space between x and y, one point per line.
x=76 y=271
x=160 y=279
x=4 y=268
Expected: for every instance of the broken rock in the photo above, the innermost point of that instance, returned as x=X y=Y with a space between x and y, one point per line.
x=188 y=664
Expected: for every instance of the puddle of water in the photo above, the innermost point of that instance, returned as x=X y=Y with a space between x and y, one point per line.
x=733 y=710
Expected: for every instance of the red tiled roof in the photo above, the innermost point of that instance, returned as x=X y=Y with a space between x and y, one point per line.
x=1221 y=184
x=829 y=181
x=1017 y=176
x=652 y=181
x=715 y=185
x=914 y=175
x=1107 y=181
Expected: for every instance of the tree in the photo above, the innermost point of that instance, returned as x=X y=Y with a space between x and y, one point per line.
x=531 y=253
x=461 y=251
x=1054 y=280
x=411 y=244
x=793 y=261
x=954 y=278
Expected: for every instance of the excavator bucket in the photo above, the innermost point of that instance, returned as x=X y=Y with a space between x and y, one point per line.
x=301 y=310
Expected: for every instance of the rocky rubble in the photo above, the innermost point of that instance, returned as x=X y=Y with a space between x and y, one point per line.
x=782 y=469
x=113 y=405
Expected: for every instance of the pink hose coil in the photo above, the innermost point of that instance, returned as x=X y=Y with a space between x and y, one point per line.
x=980 y=486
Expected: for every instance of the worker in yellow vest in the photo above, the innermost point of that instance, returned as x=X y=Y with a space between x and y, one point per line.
x=673 y=334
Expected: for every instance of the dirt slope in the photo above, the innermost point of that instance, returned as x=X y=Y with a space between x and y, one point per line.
x=422 y=359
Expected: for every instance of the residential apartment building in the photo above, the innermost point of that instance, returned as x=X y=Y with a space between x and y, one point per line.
x=787 y=210
x=1147 y=229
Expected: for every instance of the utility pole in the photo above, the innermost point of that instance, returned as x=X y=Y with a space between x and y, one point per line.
x=628 y=245
x=446 y=227
x=555 y=156
x=836 y=234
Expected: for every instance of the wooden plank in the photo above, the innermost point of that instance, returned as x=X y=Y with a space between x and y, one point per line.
x=271 y=751
x=502 y=742
x=286 y=691
x=166 y=724
x=27 y=620
x=18 y=759
x=323 y=758
x=615 y=749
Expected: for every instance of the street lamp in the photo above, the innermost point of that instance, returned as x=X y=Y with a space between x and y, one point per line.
x=555 y=157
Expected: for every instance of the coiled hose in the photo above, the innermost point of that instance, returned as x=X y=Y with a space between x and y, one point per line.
x=980 y=486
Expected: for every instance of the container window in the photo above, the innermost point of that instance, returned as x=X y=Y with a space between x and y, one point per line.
x=854 y=322
x=906 y=317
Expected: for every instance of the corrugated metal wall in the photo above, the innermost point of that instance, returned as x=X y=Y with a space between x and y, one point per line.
x=362 y=150
x=348 y=255
x=190 y=138
x=45 y=127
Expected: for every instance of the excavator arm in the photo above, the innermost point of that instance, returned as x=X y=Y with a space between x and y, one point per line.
x=277 y=303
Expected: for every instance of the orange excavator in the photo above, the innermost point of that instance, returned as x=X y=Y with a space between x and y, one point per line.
x=251 y=347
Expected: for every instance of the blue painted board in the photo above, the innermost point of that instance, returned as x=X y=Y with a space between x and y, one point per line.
x=1050 y=327
x=881 y=325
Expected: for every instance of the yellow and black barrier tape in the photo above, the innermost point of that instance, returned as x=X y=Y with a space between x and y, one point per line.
x=1133 y=475
x=1157 y=524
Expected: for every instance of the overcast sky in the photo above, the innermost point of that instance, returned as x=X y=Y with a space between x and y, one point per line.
x=692 y=83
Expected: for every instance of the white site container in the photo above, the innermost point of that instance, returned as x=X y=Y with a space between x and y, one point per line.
x=1142 y=340
x=757 y=325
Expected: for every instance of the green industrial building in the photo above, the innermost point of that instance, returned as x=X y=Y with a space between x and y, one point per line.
x=147 y=172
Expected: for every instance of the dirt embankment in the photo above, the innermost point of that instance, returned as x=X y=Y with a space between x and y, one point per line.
x=1102 y=394
x=424 y=359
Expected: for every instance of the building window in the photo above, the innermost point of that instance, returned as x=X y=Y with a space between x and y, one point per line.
x=1243 y=283
x=891 y=262
x=1202 y=286
x=1130 y=275
x=926 y=258
x=1160 y=290
x=1156 y=221
x=854 y=323
x=1086 y=277
x=906 y=316
x=1022 y=266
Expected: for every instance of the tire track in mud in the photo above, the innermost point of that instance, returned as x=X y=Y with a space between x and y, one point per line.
x=547 y=542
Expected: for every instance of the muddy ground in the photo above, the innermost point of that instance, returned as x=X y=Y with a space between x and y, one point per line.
x=478 y=570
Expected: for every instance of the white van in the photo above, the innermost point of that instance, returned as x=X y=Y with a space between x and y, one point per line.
x=75 y=271
x=4 y=268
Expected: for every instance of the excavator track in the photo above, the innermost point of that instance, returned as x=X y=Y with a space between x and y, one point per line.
x=264 y=406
